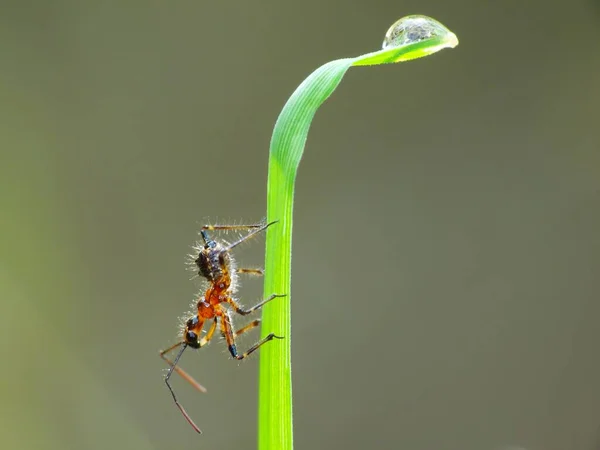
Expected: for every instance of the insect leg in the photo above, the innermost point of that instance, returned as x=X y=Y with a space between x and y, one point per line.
x=256 y=228
x=257 y=272
x=227 y=330
x=244 y=312
x=233 y=227
x=249 y=235
x=248 y=327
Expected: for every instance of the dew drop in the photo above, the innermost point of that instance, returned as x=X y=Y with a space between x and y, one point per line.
x=411 y=29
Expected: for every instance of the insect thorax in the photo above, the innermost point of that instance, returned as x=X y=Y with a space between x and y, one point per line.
x=213 y=262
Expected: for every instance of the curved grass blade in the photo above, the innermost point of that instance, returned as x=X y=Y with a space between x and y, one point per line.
x=409 y=38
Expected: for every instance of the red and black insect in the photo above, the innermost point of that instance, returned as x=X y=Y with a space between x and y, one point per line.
x=215 y=264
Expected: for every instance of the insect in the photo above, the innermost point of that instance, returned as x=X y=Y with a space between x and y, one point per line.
x=216 y=265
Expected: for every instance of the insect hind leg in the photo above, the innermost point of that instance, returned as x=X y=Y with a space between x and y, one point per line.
x=254 y=232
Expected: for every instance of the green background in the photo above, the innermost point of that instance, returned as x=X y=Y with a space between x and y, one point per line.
x=446 y=246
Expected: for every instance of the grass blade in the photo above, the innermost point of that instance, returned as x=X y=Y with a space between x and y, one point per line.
x=409 y=38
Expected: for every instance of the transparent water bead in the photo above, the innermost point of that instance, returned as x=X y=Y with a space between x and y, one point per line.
x=411 y=29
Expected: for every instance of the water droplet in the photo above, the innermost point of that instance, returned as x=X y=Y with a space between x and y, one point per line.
x=412 y=29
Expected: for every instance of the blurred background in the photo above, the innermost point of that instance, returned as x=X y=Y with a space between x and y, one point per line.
x=446 y=246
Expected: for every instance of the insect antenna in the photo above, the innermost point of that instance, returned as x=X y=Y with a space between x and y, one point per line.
x=169 y=373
